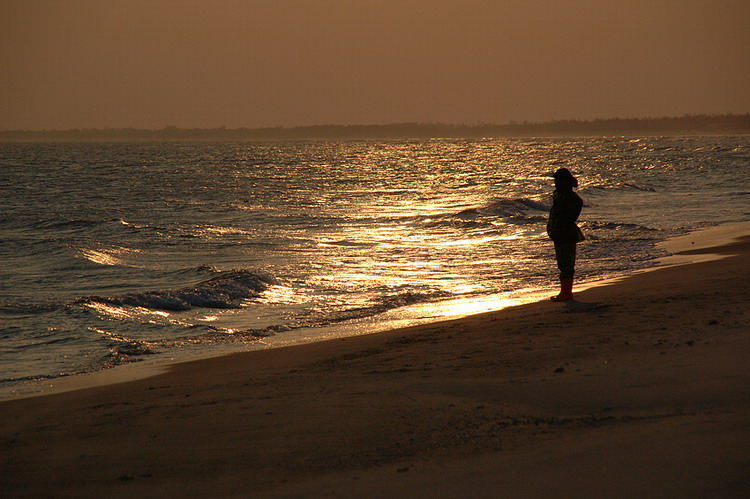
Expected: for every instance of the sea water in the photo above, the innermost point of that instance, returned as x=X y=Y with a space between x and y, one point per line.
x=117 y=252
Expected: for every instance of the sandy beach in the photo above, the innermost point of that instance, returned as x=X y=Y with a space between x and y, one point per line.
x=639 y=388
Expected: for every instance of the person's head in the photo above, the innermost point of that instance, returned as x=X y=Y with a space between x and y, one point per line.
x=564 y=180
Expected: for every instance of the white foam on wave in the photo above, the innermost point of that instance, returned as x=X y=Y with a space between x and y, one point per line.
x=227 y=290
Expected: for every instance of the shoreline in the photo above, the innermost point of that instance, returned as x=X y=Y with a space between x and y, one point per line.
x=684 y=250
x=637 y=388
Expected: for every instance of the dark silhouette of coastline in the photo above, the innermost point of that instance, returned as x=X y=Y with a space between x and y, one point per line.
x=726 y=124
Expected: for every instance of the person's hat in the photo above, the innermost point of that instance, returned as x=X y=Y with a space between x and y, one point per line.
x=564 y=174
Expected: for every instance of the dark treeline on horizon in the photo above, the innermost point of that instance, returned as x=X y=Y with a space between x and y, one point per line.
x=684 y=125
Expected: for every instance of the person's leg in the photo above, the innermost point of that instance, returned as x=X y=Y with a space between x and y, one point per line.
x=565 y=253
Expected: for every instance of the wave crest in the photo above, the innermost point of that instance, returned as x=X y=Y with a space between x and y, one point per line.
x=518 y=207
x=624 y=186
x=227 y=290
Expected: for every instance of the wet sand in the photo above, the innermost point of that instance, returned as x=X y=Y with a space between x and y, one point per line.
x=640 y=388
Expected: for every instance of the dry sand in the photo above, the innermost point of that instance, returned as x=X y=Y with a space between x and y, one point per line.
x=641 y=388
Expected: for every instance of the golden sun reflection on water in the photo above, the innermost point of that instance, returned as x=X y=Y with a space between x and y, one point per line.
x=107 y=256
x=479 y=240
x=469 y=306
x=422 y=208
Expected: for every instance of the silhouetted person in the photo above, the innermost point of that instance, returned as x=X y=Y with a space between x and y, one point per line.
x=562 y=229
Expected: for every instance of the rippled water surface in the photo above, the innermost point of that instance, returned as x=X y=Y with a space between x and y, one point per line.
x=115 y=251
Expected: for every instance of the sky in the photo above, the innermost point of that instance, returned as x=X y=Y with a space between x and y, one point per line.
x=259 y=63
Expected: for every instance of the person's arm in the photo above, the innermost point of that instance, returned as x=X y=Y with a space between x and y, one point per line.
x=570 y=209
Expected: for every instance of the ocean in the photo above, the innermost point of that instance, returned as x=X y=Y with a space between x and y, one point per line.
x=122 y=252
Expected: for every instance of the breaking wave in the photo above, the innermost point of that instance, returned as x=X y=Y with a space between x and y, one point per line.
x=508 y=208
x=514 y=210
x=227 y=290
x=625 y=186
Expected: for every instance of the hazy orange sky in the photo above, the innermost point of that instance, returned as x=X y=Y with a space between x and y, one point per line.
x=254 y=63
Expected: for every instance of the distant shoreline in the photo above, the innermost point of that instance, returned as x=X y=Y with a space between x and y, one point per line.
x=726 y=124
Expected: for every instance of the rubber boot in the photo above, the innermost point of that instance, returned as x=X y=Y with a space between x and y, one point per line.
x=566 y=290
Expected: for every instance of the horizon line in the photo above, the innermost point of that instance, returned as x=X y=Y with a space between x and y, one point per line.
x=478 y=124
